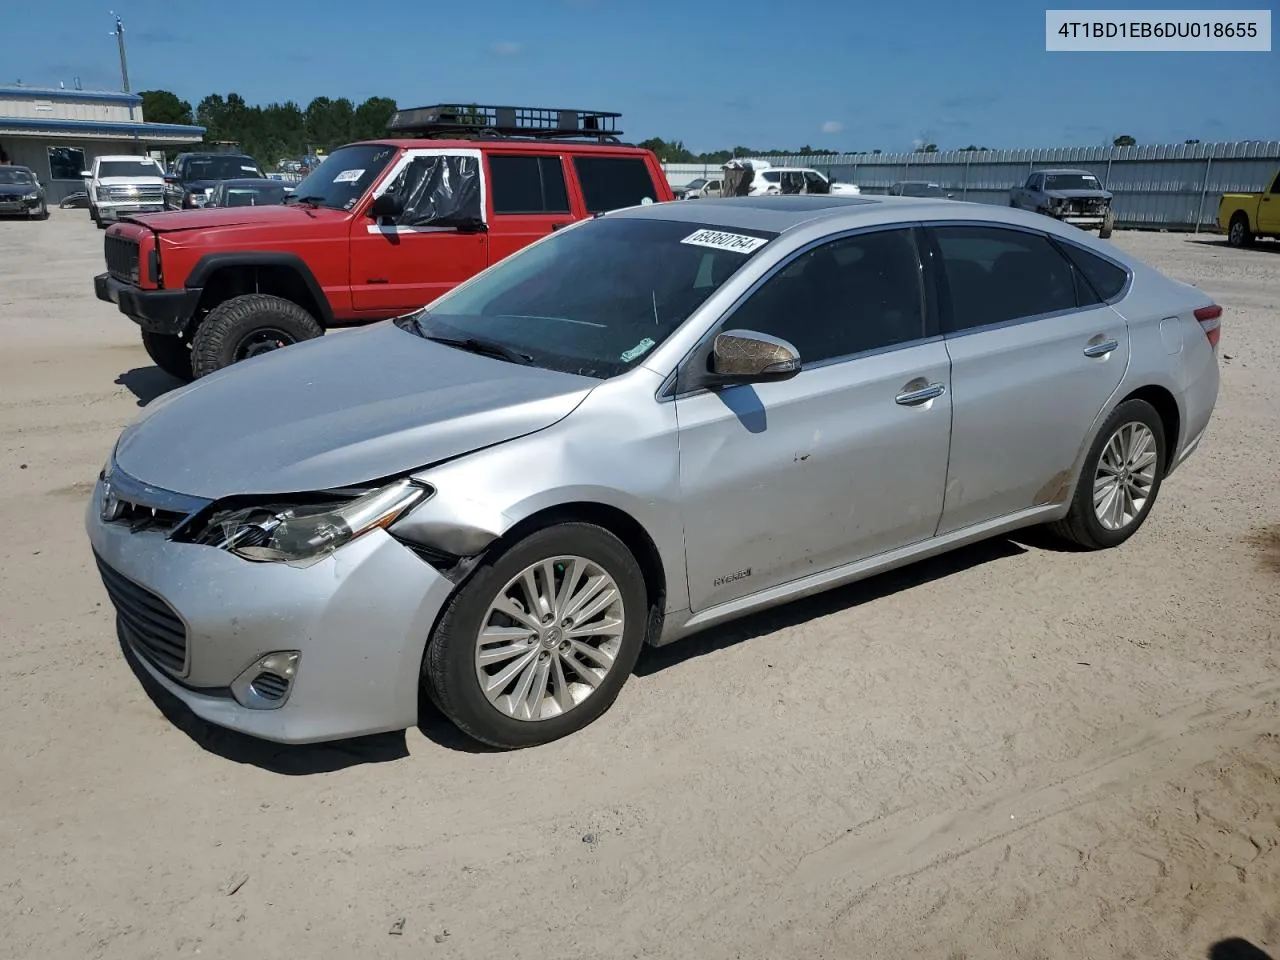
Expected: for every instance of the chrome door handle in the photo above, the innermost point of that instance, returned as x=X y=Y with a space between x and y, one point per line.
x=1101 y=349
x=915 y=397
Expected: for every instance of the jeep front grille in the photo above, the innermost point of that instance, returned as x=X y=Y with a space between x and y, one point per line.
x=122 y=258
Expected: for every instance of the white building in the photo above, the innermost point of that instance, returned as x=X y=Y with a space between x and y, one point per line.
x=57 y=133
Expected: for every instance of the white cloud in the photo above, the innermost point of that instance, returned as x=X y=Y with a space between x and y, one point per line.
x=506 y=48
x=832 y=126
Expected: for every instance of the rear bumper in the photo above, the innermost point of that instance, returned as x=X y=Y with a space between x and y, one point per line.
x=156 y=311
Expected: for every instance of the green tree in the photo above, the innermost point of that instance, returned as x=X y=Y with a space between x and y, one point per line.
x=162 y=106
x=370 y=119
x=1124 y=140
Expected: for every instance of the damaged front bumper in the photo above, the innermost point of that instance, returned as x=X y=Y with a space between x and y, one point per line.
x=286 y=653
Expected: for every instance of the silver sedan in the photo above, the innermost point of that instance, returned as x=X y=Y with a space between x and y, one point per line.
x=641 y=426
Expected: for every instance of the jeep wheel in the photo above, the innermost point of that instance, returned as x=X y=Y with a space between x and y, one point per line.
x=248 y=326
x=171 y=354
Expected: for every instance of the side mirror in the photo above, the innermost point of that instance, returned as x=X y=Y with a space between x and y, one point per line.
x=86 y=174
x=386 y=205
x=744 y=356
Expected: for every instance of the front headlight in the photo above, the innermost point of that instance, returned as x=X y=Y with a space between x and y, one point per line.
x=308 y=533
x=31 y=196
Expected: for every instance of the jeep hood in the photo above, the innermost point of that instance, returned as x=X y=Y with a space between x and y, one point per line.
x=337 y=411
x=293 y=215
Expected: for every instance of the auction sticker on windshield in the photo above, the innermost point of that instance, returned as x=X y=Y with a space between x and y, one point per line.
x=348 y=176
x=719 y=240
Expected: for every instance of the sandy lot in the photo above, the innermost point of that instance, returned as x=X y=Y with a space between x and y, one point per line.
x=1009 y=752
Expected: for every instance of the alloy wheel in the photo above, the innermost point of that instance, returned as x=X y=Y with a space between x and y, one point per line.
x=1125 y=476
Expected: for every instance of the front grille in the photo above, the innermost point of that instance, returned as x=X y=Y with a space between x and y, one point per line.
x=146 y=622
x=139 y=517
x=122 y=258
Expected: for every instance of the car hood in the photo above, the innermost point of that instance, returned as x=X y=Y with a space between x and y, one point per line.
x=18 y=189
x=202 y=218
x=156 y=181
x=338 y=411
x=1078 y=194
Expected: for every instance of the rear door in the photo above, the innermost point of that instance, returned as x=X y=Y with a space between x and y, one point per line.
x=528 y=198
x=436 y=243
x=1035 y=357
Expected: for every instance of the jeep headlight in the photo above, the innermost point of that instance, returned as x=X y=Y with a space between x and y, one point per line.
x=306 y=533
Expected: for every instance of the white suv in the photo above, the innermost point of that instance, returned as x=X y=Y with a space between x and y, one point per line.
x=754 y=178
x=123 y=185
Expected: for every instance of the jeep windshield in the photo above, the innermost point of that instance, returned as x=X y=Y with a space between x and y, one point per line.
x=593 y=300
x=129 y=168
x=344 y=176
x=1071 y=181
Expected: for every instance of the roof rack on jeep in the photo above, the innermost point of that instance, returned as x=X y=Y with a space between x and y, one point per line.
x=478 y=120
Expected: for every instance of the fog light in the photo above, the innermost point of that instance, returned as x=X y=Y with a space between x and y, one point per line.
x=267 y=683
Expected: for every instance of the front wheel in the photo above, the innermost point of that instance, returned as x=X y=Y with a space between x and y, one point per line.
x=171 y=354
x=248 y=326
x=1120 y=480
x=539 y=641
x=1108 y=225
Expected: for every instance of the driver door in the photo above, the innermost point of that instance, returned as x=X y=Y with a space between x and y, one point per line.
x=404 y=264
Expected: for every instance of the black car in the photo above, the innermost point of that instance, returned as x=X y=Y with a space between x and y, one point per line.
x=22 y=194
x=248 y=192
x=194 y=176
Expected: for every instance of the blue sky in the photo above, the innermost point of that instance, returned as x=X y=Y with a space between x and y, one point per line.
x=760 y=73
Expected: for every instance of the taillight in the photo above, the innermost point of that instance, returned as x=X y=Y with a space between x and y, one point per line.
x=1210 y=320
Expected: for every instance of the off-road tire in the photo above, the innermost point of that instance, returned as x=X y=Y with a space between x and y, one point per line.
x=171 y=354
x=220 y=338
x=1108 y=225
x=1238 y=233
x=1081 y=525
x=448 y=666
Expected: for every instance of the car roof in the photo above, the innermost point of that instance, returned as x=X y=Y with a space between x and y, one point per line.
x=1086 y=173
x=779 y=214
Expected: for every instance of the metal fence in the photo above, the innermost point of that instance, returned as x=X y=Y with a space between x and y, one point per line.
x=1175 y=186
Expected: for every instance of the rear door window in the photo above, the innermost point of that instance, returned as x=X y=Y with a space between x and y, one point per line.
x=527 y=184
x=995 y=275
x=610 y=183
x=1103 y=277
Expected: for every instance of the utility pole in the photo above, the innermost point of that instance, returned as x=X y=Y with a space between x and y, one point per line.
x=124 y=63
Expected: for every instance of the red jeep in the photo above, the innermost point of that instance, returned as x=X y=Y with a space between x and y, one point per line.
x=378 y=230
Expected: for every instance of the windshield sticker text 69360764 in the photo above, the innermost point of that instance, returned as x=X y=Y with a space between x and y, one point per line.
x=720 y=240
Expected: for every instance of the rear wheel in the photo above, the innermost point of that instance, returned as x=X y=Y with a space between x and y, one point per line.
x=248 y=326
x=1120 y=480
x=171 y=354
x=539 y=641
x=1238 y=233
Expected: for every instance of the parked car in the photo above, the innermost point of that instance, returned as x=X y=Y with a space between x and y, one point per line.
x=1246 y=216
x=646 y=424
x=249 y=193
x=755 y=178
x=1072 y=196
x=123 y=185
x=379 y=229
x=700 y=189
x=22 y=194
x=918 y=188
x=194 y=176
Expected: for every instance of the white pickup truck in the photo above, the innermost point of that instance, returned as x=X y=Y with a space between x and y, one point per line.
x=123 y=185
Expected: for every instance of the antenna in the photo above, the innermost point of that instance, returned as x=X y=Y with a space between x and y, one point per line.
x=124 y=63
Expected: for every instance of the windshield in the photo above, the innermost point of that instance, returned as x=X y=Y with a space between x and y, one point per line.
x=129 y=168
x=345 y=175
x=595 y=299
x=697 y=184
x=1071 y=181
x=12 y=175
x=222 y=168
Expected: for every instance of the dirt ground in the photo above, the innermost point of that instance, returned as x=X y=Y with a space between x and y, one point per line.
x=1009 y=752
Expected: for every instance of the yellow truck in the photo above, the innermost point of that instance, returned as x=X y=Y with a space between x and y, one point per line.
x=1245 y=216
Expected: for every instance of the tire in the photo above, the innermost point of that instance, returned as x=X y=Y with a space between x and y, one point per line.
x=450 y=668
x=171 y=354
x=248 y=326
x=1238 y=233
x=93 y=214
x=1082 y=525
x=1108 y=225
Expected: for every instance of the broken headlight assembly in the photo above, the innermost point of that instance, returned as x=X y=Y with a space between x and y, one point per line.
x=304 y=533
